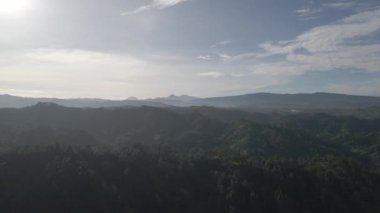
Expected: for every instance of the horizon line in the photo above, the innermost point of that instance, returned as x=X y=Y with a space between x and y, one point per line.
x=196 y=97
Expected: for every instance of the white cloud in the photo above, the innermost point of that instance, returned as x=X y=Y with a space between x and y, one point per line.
x=281 y=47
x=66 y=72
x=329 y=37
x=309 y=13
x=161 y=4
x=205 y=57
x=233 y=58
x=328 y=47
x=211 y=74
x=223 y=56
x=156 y=4
x=70 y=73
x=340 y=5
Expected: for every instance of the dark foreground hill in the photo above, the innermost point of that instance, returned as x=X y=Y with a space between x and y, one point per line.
x=197 y=159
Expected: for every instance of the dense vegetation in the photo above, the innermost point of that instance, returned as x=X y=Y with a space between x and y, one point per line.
x=57 y=159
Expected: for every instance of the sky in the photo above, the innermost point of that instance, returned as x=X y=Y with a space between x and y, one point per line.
x=153 y=48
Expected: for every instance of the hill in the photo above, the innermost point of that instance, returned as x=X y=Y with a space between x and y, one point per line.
x=195 y=159
x=190 y=129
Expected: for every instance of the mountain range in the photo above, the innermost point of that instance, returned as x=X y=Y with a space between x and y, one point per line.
x=248 y=102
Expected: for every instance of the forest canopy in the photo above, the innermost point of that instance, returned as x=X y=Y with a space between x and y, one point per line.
x=199 y=159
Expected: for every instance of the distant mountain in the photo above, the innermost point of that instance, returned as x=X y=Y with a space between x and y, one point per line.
x=8 y=101
x=174 y=100
x=184 y=98
x=250 y=102
x=293 y=102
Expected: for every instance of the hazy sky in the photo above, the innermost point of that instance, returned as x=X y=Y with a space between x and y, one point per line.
x=149 y=48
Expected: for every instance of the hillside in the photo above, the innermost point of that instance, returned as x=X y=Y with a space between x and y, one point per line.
x=186 y=129
x=196 y=159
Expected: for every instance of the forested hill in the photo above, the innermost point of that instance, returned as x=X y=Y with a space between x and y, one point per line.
x=189 y=129
x=197 y=159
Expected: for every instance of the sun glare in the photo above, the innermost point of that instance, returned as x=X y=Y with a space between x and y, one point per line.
x=14 y=7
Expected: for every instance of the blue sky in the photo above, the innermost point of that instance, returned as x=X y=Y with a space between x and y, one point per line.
x=151 y=48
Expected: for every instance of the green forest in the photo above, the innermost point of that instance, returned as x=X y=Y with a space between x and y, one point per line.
x=194 y=159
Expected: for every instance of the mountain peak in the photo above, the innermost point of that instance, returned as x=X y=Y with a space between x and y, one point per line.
x=132 y=98
x=47 y=105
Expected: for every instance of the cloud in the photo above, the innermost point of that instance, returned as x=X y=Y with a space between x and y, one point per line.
x=207 y=57
x=72 y=72
x=326 y=46
x=337 y=45
x=371 y=87
x=340 y=5
x=309 y=13
x=222 y=43
x=278 y=48
x=364 y=57
x=223 y=56
x=211 y=74
x=329 y=37
x=345 y=44
x=83 y=59
x=156 y=4
x=233 y=58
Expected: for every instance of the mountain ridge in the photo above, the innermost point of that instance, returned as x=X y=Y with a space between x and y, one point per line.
x=252 y=101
